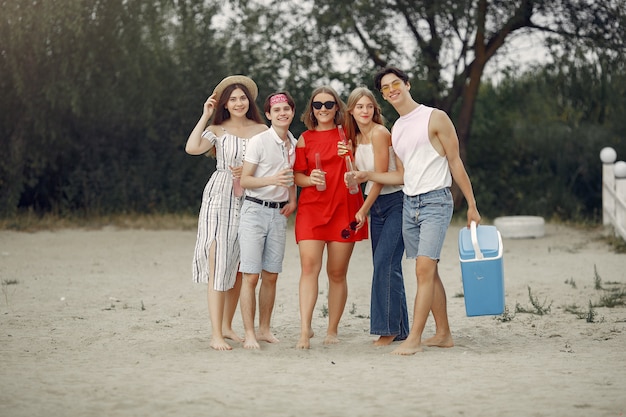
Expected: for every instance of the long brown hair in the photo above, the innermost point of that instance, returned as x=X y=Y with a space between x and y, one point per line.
x=308 y=118
x=222 y=114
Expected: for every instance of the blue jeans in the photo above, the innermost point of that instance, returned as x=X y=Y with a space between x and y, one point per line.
x=426 y=220
x=388 y=311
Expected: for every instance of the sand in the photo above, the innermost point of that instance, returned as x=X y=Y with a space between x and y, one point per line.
x=108 y=323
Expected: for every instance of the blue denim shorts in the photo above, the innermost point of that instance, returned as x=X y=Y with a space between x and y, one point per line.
x=425 y=221
x=262 y=233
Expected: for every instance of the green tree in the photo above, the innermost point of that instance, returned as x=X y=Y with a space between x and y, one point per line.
x=448 y=44
x=280 y=47
x=91 y=101
x=540 y=137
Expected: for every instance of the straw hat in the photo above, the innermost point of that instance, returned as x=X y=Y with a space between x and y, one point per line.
x=236 y=79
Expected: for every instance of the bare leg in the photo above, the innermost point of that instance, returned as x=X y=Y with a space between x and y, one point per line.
x=425 y=270
x=230 y=307
x=311 y=252
x=248 y=309
x=215 y=301
x=443 y=336
x=337 y=269
x=267 y=296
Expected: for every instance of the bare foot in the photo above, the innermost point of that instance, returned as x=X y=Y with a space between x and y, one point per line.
x=305 y=340
x=408 y=348
x=230 y=334
x=331 y=339
x=440 y=341
x=251 y=344
x=384 y=340
x=219 y=344
x=267 y=337
x=250 y=341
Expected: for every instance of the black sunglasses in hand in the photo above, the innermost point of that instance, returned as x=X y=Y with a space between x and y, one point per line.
x=347 y=232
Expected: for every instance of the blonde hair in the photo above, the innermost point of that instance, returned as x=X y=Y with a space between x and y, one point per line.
x=351 y=127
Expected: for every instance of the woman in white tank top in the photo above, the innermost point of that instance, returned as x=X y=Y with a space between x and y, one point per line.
x=372 y=140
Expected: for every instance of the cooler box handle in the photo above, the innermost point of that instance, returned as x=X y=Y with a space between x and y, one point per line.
x=477 y=253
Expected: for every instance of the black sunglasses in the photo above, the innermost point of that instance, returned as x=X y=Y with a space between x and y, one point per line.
x=345 y=233
x=318 y=104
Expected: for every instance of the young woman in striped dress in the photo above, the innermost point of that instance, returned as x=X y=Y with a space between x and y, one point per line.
x=234 y=118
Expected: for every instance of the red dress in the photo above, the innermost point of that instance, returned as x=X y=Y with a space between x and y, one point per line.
x=326 y=215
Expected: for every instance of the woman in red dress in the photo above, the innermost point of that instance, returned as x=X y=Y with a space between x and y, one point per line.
x=326 y=212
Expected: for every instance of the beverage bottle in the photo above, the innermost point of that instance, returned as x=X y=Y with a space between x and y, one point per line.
x=318 y=165
x=344 y=139
x=287 y=164
x=353 y=186
x=237 y=189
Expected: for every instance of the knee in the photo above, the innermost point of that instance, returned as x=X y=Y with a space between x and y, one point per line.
x=310 y=268
x=425 y=272
x=250 y=280
x=269 y=278
x=336 y=277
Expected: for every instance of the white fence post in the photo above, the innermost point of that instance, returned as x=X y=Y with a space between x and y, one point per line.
x=608 y=157
x=620 y=198
x=613 y=191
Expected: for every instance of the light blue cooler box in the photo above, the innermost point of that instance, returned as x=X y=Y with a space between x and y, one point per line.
x=480 y=253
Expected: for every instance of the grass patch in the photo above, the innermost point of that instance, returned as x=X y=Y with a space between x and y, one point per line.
x=506 y=316
x=353 y=309
x=572 y=308
x=597 y=280
x=614 y=292
x=324 y=311
x=538 y=308
x=617 y=243
x=571 y=282
x=31 y=222
x=6 y=283
x=612 y=298
x=590 y=316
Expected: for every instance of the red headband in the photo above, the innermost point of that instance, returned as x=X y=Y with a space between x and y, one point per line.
x=278 y=98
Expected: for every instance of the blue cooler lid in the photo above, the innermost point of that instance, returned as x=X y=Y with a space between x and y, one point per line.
x=487 y=241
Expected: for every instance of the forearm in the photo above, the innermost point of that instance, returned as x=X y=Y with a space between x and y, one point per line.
x=292 y=194
x=462 y=180
x=196 y=145
x=387 y=178
x=371 y=197
x=251 y=182
x=302 y=180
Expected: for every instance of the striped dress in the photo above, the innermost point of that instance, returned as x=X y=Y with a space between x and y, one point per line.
x=218 y=221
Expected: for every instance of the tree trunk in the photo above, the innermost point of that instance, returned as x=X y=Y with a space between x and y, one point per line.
x=464 y=120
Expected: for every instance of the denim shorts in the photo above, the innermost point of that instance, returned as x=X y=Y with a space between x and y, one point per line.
x=262 y=233
x=425 y=221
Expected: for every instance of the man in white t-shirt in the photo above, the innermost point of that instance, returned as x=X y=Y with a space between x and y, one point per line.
x=427 y=148
x=270 y=198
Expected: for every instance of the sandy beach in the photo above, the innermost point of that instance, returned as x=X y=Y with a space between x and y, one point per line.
x=108 y=323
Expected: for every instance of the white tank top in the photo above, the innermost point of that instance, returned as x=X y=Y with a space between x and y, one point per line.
x=424 y=169
x=364 y=158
